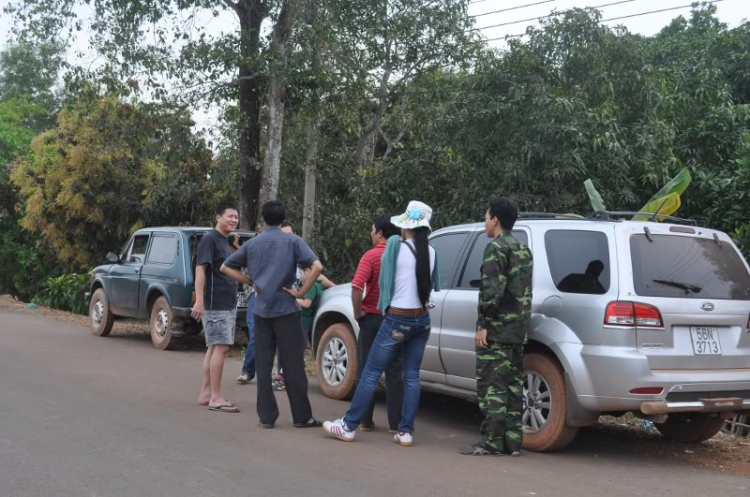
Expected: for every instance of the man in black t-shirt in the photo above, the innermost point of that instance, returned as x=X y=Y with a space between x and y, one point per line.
x=216 y=306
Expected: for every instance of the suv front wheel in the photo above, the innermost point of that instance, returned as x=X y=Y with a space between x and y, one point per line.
x=336 y=362
x=100 y=315
x=161 y=325
x=545 y=405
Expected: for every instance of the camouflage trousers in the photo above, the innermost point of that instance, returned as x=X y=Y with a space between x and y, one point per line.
x=500 y=391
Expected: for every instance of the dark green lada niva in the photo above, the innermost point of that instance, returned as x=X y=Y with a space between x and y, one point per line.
x=153 y=278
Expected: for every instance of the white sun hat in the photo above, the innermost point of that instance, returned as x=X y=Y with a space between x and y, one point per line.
x=417 y=215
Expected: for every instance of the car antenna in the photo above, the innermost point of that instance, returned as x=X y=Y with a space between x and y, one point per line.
x=716 y=239
x=648 y=234
x=658 y=210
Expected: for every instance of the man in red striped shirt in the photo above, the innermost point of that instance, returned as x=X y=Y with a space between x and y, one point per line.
x=365 y=295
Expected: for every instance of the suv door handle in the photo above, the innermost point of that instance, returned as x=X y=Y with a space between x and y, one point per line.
x=138 y=270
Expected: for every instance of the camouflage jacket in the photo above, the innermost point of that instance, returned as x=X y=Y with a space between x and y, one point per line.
x=505 y=291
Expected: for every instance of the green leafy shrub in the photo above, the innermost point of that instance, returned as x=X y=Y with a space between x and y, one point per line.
x=65 y=293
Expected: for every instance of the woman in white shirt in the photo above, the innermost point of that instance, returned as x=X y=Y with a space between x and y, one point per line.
x=408 y=275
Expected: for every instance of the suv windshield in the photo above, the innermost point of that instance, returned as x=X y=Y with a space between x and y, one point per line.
x=688 y=267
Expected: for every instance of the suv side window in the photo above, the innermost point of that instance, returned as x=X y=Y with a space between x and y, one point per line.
x=578 y=261
x=473 y=270
x=163 y=250
x=138 y=249
x=448 y=249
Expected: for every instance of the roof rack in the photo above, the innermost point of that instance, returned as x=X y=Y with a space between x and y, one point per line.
x=548 y=215
x=614 y=215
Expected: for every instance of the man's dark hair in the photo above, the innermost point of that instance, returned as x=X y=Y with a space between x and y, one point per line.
x=287 y=224
x=273 y=212
x=505 y=210
x=225 y=206
x=383 y=223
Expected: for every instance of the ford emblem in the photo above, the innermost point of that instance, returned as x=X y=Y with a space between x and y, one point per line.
x=707 y=306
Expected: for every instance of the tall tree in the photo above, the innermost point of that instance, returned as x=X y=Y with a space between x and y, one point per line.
x=165 y=48
x=279 y=54
x=101 y=173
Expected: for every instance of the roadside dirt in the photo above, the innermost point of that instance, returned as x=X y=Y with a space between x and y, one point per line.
x=724 y=452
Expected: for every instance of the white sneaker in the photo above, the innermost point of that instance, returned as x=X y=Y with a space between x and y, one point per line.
x=339 y=430
x=403 y=439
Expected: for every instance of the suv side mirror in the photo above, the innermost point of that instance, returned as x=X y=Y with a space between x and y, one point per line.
x=113 y=258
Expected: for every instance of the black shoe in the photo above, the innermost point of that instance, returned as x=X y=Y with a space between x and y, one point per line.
x=267 y=426
x=479 y=450
x=310 y=423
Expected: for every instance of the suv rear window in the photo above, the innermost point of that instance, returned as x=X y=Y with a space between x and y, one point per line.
x=688 y=267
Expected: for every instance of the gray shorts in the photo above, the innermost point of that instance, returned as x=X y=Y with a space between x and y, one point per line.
x=218 y=326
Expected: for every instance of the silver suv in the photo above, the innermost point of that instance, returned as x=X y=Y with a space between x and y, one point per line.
x=643 y=317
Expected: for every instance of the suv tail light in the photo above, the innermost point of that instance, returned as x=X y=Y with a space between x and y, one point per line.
x=633 y=314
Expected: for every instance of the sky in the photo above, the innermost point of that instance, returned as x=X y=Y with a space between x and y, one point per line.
x=516 y=15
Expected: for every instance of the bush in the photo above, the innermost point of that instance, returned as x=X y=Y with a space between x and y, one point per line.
x=25 y=262
x=66 y=293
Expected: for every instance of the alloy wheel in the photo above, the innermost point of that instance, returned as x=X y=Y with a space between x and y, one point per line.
x=335 y=361
x=537 y=400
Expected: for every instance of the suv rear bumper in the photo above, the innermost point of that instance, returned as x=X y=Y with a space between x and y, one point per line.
x=726 y=404
x=604 y=377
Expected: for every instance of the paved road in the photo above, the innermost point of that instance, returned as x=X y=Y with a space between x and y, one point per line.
x=88 y=416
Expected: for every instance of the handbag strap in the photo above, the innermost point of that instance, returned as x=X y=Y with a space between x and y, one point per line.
x=413 y=250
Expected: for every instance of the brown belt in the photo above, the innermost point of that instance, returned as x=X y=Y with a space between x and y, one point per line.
x=407 y=312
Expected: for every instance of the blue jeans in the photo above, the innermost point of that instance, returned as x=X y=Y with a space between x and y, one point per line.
x=248 y=367
x=409 y=336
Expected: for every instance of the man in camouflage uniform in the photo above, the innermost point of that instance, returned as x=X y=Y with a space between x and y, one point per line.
x=502 y=328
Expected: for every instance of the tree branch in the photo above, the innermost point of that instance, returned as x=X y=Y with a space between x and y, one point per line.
x=234 y=6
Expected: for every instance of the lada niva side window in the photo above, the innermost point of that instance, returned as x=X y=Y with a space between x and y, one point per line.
x=163 y=250
x=138 y=249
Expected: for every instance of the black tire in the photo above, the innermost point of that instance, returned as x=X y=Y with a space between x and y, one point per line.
x=161 y=325
x=100 y=315
x=554 y=434
x=691 y=427
x=336 y=362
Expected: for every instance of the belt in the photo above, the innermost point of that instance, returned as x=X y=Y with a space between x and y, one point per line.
x=407 y=312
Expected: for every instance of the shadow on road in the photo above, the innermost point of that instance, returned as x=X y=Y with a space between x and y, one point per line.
x=611 y=438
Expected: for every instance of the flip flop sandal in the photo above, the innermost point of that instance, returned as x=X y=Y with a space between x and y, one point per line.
x=224 y=408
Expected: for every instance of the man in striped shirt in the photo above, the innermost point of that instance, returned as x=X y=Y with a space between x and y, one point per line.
x=365 y=295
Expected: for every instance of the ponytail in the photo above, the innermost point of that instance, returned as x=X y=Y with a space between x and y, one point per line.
x=424 y=275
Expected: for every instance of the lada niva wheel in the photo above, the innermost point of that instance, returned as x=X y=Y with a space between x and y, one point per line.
x=100 y=315
x=161 y=325
x=545 y=405
x=336 y=362
x=691 y=427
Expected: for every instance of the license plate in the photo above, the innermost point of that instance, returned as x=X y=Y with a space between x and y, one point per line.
x=705 y=340
x=241 y=299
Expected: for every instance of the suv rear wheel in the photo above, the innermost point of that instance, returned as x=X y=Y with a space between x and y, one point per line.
x=691 y=427
x=336 y=362
x=100 y=315
x=545 y=405
x=161 y=325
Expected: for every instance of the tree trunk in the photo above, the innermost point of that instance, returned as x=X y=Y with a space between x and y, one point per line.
x=251 y=14
x=308 y=214
x=276 y=102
